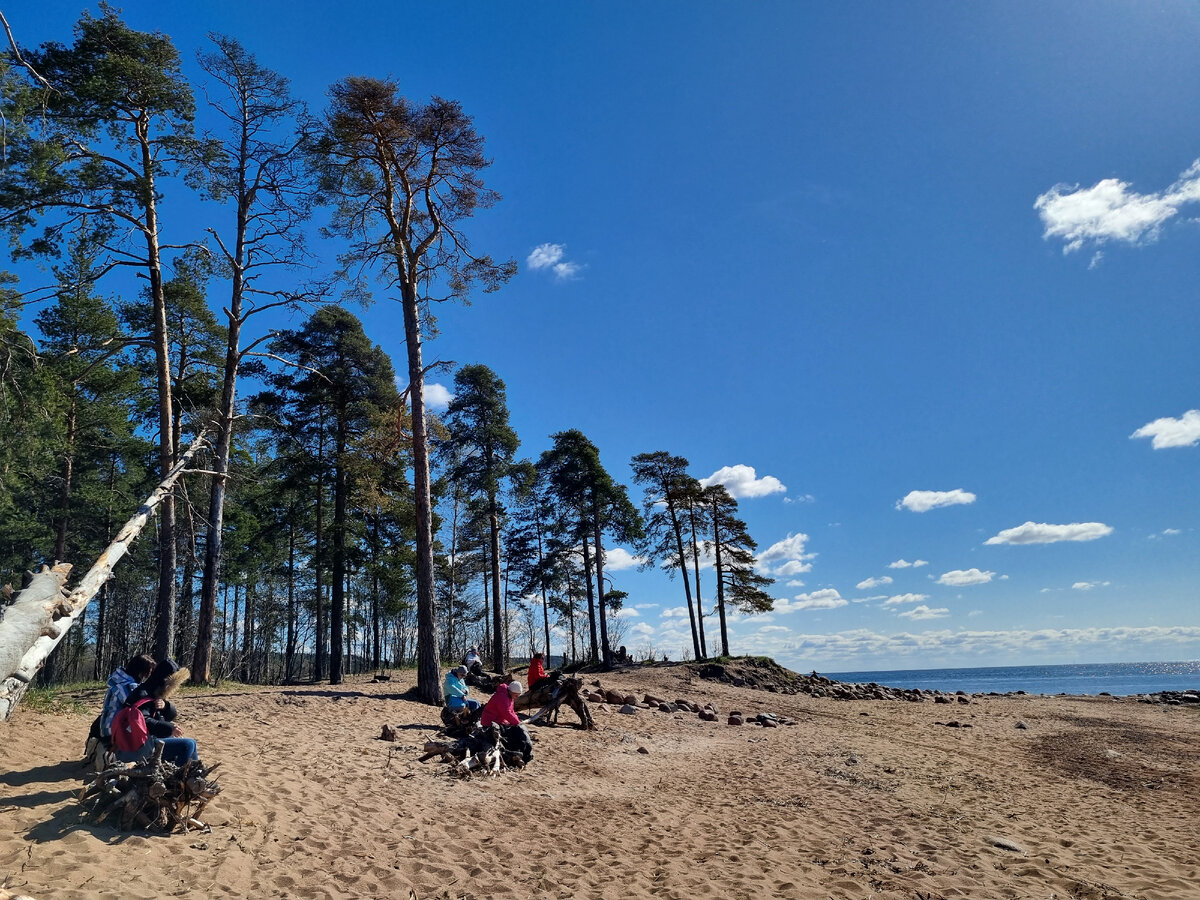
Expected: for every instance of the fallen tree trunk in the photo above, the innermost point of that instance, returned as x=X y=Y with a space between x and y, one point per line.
x=30 y=636
x=551 y=693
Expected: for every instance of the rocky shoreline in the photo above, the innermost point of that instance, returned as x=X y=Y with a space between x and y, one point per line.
x=766 y=675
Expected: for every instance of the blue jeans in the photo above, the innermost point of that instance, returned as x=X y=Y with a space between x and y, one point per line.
x=175 y=750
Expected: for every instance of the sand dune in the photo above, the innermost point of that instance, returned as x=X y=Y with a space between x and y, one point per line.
x=1093 y=798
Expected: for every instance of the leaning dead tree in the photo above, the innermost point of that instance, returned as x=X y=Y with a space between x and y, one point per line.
x=550 y=694
x=44 y=612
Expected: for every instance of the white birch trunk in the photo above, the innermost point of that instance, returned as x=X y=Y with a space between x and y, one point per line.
x=37 y=622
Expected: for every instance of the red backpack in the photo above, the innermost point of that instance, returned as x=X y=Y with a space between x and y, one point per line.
x=129 y=732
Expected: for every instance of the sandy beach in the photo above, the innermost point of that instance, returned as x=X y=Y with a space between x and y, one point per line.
x=999 y=797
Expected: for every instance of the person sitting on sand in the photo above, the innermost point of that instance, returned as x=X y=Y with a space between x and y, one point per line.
x=499 y=710
x=153 y=695
x=456 y=690
x=536 y=670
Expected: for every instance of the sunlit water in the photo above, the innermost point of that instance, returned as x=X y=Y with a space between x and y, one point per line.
x=1119 y=679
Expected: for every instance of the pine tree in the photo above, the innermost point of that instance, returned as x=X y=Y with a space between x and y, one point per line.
x=667 y=486
x=350 y=381
x=403 y=178
x=733 y=549
x=99 y=147
x=257 y=170
x=485 y=443
x=594 y=504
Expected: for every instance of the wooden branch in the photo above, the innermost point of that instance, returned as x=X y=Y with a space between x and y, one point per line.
x=31 y=649
x=12 y=42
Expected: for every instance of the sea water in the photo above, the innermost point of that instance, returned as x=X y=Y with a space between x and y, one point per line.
x=1118 y=679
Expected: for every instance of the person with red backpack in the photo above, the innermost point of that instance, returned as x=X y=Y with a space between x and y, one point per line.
x=148 y=719
x=121 y=683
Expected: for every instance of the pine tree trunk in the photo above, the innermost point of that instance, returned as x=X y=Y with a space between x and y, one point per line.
x=289 y=660
x=429 y=684
x=164 y=629
x=696 y=567
x=687 y=590
x=498 y=635
x=318 y=567
x=337 y=600
x=591 y=600
x=606 y=650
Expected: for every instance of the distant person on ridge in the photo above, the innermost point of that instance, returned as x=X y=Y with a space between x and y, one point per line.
x=473 y=663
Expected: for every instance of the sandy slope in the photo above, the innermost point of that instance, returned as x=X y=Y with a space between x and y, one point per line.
x=1094 y=798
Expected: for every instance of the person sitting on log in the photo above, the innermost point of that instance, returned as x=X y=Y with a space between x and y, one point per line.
x=473 y=662
x=499 y=710
x=152 y=699
x=121 y=683
x=536 y=670
x=456 y=691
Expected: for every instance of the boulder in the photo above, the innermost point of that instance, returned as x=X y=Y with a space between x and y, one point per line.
x=736 y=720
x=628 y=709
x=708 y=715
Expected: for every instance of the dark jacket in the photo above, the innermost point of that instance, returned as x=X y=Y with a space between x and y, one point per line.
x=159 y=722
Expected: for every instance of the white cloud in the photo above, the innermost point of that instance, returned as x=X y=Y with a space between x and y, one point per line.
x=905 y=564
x=626 y=612
x=1166 y=532
x=641 y=629
x=1168 y=432
x=866 y=649
x=675 y=612
x=795 y=582
x=1088 y=585
x=786 y=558
x=923 y=501
x=545 y=255
x=802 y=498
x=963 y=577
x=874 y=583
x=618 y=559
x=924 y=612
x=742 y=481
x=551 y=256
x=437 y=396
x=768 y=629
x=898 y=599
x=1110 y=211
x=1042 y=533
x=827 y=598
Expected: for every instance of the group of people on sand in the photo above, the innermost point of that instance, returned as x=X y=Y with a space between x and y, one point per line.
x=145 y=687
x=499 y=710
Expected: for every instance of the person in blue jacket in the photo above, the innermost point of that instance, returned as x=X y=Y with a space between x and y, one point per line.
x=456 y=690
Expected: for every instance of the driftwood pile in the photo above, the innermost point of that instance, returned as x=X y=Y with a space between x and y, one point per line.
x=491 y=760
x=154 y=794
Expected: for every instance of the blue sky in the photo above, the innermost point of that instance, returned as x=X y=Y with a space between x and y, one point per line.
x=931 y=269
